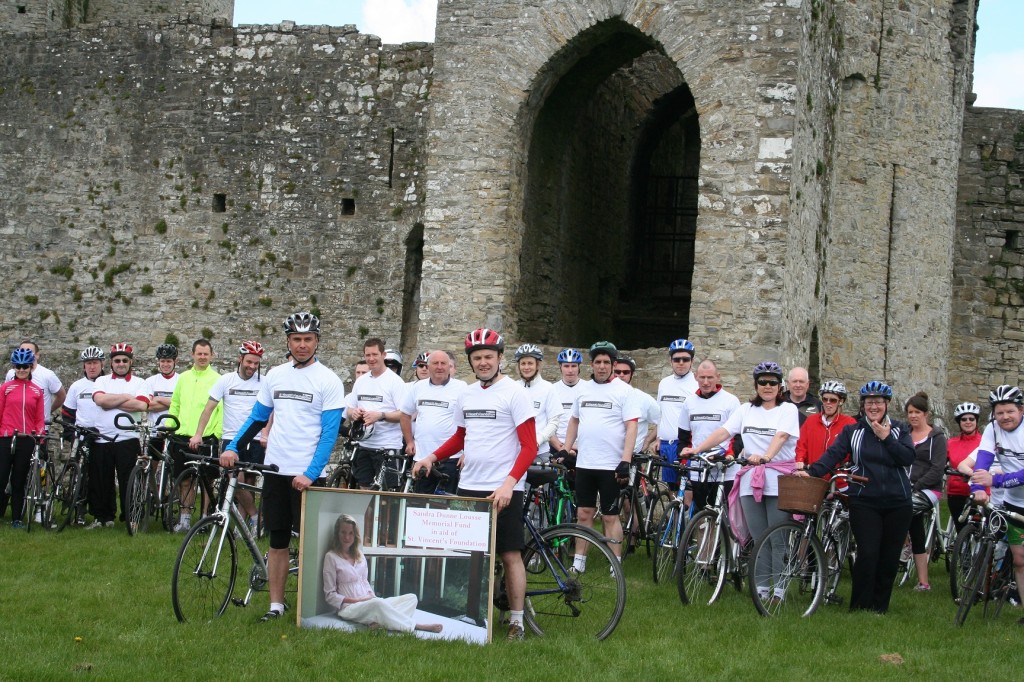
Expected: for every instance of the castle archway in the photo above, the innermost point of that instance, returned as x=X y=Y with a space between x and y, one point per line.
x=611 y=150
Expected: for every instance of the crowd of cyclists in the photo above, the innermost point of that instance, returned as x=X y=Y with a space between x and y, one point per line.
x=484 y=432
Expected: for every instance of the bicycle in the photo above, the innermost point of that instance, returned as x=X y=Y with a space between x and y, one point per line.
x=669 y=530
x=800 y=570
x=341 y=476
x=642 y=503
x=206 y=569
x=149 y=486
x=559 y=599
x=193 y=487
x=990 y=579
x=39 y=486
x=937 y=540
x=709 y=553
x=549 y=498
x=72 y=483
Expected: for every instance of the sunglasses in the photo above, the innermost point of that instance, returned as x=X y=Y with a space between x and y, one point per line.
x=120 y=361
x=23 y=367
x=768 y=382
x=682 y=358
x=829 y=401
x=968 y=418
x=622 y=371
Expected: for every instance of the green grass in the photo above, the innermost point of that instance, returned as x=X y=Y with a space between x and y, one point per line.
x=113 y=592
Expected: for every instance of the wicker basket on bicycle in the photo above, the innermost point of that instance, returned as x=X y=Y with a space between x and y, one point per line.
x=801 y=494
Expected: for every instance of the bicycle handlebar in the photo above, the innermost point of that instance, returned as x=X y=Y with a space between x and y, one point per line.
x=215 y=461
x=136 y=426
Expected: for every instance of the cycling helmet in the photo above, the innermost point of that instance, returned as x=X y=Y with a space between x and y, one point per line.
x=570 y=355
x=251 y=348
x=604 y=348
x=121 y=349
x=681 y=344
x=768 y=367
x=628 y=360
x=484 y=339
x=835 y=387
x=1005 y=394
x=966 y=408
x=392 y=355
x=23 y=356
x=920 y=503
x=302 y=323
x=529 y=350
x=166 y=351
x=421 y=359
x=92 y=353
x=876 y=389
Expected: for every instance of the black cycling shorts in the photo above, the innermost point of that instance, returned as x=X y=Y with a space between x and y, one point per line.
x=591 y=483
x=509 y=530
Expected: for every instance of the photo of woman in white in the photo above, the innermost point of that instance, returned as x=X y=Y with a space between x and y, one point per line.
x=347 y=589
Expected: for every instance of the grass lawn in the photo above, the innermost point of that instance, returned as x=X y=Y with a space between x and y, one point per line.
x=97 y=603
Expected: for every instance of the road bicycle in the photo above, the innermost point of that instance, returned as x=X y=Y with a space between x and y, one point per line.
x=938 y=540
x=643 y=503
x=668 y=532
x=341 y=475
x=71 y=491
x=192 y=492
x=549 y=499
x=790 y=569
x=206 y=569
x=989 y=580
x=150 y=481
x=39 y=486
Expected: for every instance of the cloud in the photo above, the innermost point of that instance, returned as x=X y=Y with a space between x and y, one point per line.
x=400 y=21
x=997 y=80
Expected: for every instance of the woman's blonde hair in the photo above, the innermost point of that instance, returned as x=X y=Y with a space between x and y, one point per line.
x=353 y=551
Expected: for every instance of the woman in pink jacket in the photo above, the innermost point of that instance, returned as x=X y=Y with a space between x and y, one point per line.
x=22 y=412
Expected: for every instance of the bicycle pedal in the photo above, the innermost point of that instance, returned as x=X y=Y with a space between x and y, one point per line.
x=834 y=599
x=238 y=602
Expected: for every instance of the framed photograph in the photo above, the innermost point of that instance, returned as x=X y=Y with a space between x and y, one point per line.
x=422 y=564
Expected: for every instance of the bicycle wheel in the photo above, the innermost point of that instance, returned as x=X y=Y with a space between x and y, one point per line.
x=33 y=494
x=966 y=545
x=974 y=583
x=787 y=571
x=136 y=519
x=186 y=498
x=666 y=540
x=561 y=601
x=67 y=494
x=659 y=505
x=836 y=544
x=165 y=493
x=204 y=573
x=701 y=560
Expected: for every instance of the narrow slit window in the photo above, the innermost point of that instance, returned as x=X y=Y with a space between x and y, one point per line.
x=348 y=207
x=220 y=203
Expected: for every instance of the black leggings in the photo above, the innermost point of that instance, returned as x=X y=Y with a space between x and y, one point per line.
x=956 y=507
x=14 y=468
x=880 y=533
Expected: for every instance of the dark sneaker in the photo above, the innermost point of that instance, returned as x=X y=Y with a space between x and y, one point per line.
x=269 y=616
x=515 y=633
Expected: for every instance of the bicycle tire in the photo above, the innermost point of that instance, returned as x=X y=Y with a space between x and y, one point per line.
x=799 y=586
x=67 y=493
x=202 y=585
x=186 y=484
x=560 y=601
x=701 y=560
x=666 y=542
x=836 y=544
x=33 y=492
x=974 y=584
x=135 y=517
x=658 y=507
x=962 y=557
x=167 y=518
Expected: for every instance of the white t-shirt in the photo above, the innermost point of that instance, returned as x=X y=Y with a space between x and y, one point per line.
x=79 y=398
x=546 y=408
x=758 y=427
x=565 y=395
x=650 y=413
x=673 y=392
x=110 y=383
x=490 y=416
x=46 y=380
x=237 y=396
x=433 y=408
x=603 y=410
x=1010 y=460
x=299 y=398
x=160 y=386
x=700 y=416
x=379 y=394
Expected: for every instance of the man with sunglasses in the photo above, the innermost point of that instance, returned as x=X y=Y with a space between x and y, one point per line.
x=646 y=428
x=820 y=430
x=673 y=391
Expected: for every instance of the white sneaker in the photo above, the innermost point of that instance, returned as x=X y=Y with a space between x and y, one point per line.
x=108 y=524
x=183 y=526
x=95 y=524
x=39 y=516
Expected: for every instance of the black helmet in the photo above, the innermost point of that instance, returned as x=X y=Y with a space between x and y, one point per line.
x=166 y=351
x=302 y=323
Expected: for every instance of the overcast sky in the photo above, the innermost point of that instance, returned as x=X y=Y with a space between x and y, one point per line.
x=999 y=56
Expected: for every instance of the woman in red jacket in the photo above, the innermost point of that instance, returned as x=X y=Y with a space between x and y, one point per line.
x=957 y=450
x=820 y=430
x=21 y=411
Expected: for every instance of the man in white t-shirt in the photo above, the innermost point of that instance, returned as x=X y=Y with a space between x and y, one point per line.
x=494 y=425
x=565 y=390
x=53 y=390
x=549 y=412
x=428 y=420
x=161 y=387
x=602 y=435
x=116 y=393
x=237 y=392
x=305 y=399
x=374 y=399
x=672 y=393
x=624 y=369
x=78 y=406
x=708 y=409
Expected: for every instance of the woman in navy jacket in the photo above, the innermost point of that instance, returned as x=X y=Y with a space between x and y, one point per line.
x=880 y=510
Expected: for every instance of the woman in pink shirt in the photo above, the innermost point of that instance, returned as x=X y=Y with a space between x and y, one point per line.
x=22 y=412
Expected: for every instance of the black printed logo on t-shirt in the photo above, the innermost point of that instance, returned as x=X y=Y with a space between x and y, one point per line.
x=599 y=404
x=479 y=414
x=370 y=398
x=566 y=406
x=293 y=395
x=760 y=431
x=705 y=417
x=163 y=394
x=673 y=398
x=536 y=404
x=443 y=404
x=244 y=391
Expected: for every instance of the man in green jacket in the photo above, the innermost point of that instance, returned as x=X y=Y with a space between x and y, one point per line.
x=187 y=403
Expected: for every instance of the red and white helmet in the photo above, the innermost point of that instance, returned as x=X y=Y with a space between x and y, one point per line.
x=484 y=339
x=121 y=349
x=251 y=348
